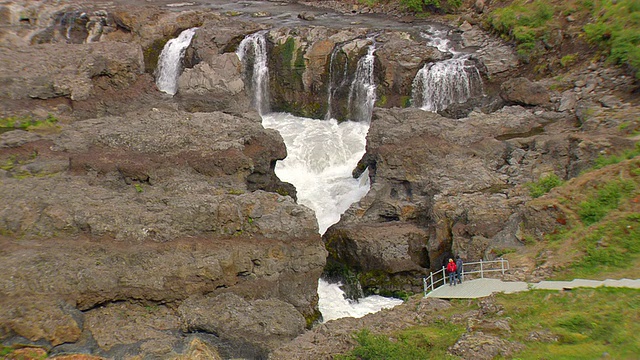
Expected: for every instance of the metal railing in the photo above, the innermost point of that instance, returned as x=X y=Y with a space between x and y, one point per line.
x=431 y=282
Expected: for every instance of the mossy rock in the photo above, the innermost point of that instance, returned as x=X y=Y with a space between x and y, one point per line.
x=152 y=54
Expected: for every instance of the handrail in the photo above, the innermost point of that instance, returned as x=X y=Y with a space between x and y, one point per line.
x=430 y=286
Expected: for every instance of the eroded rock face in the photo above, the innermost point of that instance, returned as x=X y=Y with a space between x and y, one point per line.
x=459 y=182
x=154 y=206
x=48 y=71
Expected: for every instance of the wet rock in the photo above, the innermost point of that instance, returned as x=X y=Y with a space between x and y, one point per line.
x=306 y=16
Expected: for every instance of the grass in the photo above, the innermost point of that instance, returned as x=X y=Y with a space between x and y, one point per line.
x=603 y=161
x=429 y=342
x=598 y=215
x=578 y=324
x=617 y=31
x=614 y=26
x=586 y=322
x=607 y=249
x=605 y=200
x=525 y=22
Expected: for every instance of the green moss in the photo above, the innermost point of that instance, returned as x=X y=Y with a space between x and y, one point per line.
x=152 y=53
x=405 y=101
x=312 y=319
x=28 y=122
x=282 y=191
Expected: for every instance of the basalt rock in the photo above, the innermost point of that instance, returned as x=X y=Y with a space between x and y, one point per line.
x=459 y=182
x=307 y=65
x=152 y=208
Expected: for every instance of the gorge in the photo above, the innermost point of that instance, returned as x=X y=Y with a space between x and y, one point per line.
x=144 y=221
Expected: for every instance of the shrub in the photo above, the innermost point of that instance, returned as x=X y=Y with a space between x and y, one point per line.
x=418 y=5
x=544 y=185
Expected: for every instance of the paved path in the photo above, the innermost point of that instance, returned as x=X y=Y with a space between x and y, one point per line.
x=484 y=287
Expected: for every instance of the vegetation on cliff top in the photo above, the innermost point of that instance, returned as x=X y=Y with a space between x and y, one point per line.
x=598 y=231
x=578 y=324
x=555 y=32
x=614 y=26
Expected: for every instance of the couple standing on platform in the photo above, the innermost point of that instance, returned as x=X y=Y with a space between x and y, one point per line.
x=454 y=269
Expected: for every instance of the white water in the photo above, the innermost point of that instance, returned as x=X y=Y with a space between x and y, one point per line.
x=362 y=95
x=438 y=85
x=321 y=155
x=169 y=68
x=333 y=305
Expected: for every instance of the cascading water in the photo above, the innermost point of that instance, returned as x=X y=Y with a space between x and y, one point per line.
x=257 y=44
x=362 y=95
x=169 y=63
x=336 y=79
x=438 y=85
x=320 y=160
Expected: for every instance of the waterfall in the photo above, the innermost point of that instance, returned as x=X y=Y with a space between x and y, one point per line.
x=169 y=63
x=362 y=95
x=336 y=79
x=255 y=63
x=333 y=305
x=438 y=85
x=321 y=155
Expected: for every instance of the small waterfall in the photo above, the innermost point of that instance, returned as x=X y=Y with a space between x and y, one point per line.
x=362 y=95
x=169 y=63
x=255 y=63
x=333 y=304
x=337 y=79
x=438 y=85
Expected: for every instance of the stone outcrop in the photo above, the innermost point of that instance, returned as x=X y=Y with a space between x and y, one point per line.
x=458 y=182
x=155 y=207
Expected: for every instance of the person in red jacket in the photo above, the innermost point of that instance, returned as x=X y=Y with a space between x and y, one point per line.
x=451 y=270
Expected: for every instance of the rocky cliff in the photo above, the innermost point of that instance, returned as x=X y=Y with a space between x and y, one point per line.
x=137 y=223
x=141 y=224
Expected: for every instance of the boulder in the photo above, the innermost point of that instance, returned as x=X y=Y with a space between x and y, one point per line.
x=256 y=326
x=215 y=87
x=525 y=92
x=481 y=346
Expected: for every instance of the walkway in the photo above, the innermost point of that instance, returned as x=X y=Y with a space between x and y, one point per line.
x=484 y=287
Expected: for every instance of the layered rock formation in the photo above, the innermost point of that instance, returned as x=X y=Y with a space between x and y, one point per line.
x=133 y=227
x=154 y=226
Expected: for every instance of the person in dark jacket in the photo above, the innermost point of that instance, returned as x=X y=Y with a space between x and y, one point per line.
x=451 y=270
x=459 y=269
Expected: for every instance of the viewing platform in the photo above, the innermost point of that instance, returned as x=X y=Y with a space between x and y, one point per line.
x=437 y=286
